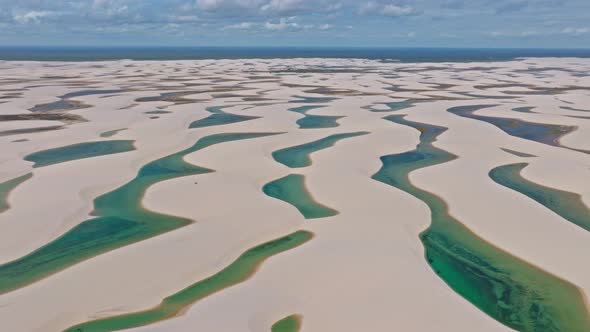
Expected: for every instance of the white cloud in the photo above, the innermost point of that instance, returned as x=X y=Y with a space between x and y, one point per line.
x=321 y=27
x=209 y=4
x=554 y=20
x=528 y=33
x=283 y=6
x=111 y=7
x=31 y=16
x=334 y=6
x=268 y=7
x=172 y=26
x=575 y=31
x=521 y=34
x=240 y=26
x=183 y=18
x=448 y=35
x=125 y=28
x=407 y=35
x=386 y=9
x=275 y=26
x=395 y=10
x=214 y=5
x=282 y=25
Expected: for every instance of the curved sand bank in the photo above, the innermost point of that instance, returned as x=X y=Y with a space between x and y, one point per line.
x=494 y=281
x=238 y=271
x=121 y=219
x=219 y=117
x=394 y=106
x=497 y=220
x=549 y=134
x=290 y=282
x=566 y=204
x=299 y=156
x=312 y=121
x=291 y=189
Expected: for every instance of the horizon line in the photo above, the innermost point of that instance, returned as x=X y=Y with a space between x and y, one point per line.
x=297 y=47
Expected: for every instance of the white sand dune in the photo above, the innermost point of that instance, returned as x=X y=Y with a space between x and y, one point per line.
x=365 y=268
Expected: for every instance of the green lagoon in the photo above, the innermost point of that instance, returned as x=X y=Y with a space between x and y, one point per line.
x=7 y=186
x=548 y=134
x=305 y=109
x=299 y=156
x=524 y=109
x=219 y=117
x=312 y=100
x=566 y=204
x=238 y=271
x=120 y=219
x=112 y=133
x=157 y=112
x=395 y=106
x=288 y=324
x=79 y=151
x=310 y=121
x=291 y=189
x=518 y=153
x=318 y=121
x=506 y=288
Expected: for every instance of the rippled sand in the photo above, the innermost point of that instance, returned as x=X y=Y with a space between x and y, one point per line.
x=365 y=268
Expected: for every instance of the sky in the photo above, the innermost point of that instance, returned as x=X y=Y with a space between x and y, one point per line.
x=324 y=23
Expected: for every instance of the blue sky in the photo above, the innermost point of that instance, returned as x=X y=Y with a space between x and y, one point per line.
x=385 y=23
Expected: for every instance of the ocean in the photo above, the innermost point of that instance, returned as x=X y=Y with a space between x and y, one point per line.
x=34 y=53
